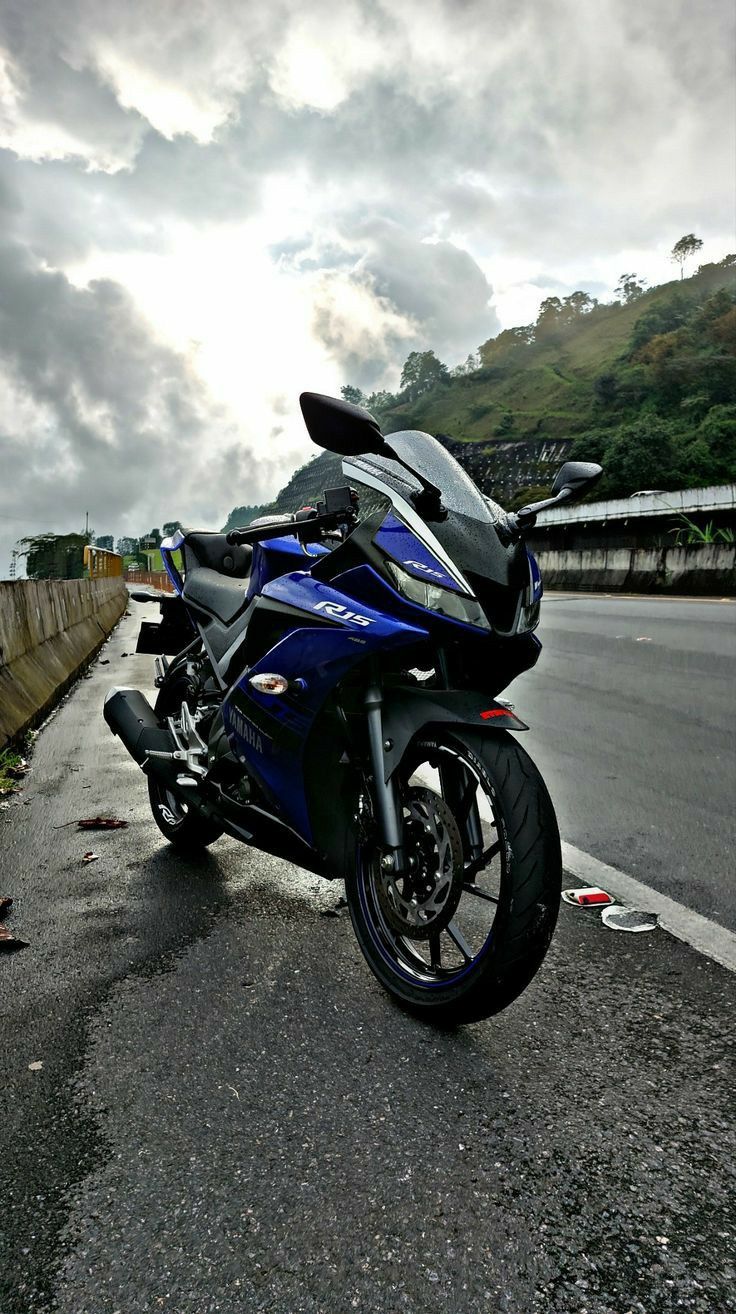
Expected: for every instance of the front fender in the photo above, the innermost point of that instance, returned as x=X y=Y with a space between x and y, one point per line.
x=408 y=710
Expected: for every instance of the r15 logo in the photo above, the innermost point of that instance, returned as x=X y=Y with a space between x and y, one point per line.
x=337 y=610
x=427 y=569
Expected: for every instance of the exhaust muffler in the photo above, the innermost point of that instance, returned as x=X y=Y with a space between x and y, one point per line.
x=131 y=717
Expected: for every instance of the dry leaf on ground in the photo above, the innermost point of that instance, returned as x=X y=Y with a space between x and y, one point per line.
x=101 y=823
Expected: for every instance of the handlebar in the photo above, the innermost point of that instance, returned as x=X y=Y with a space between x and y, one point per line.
x=310 y=528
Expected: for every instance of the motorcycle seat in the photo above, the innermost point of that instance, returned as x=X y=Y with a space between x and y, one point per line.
x=214 y=594
x=202 y=548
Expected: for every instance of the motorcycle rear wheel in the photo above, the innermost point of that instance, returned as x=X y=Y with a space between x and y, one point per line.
x=502 y=925
x=181 y=824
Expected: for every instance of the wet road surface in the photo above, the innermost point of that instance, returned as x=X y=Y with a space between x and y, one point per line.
x=632 y=709
x=232 y=1116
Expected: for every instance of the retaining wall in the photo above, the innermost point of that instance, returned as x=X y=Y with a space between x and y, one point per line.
x=705 y=569
x=48 y=630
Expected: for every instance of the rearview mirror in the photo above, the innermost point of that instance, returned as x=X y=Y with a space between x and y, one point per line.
x=340 y=427
x=577 y=476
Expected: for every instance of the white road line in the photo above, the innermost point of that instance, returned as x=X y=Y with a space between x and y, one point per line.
x=699 y=932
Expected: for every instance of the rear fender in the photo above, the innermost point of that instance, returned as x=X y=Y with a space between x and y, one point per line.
x=407 y=711
x=172 y=633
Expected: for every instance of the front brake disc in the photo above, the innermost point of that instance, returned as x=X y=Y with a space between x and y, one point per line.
x=420 y=902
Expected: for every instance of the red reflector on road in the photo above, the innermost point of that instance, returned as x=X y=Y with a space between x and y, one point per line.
x=587 y=897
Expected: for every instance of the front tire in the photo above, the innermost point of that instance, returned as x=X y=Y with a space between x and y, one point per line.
x=474 y=965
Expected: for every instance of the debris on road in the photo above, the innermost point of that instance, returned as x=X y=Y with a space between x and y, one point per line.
x=101 y=823
x=90 y=857
x=329 y=912
x=588 y=896
x=104 y=661
x=629 y=919
x=9 y=942
x=35 y=1067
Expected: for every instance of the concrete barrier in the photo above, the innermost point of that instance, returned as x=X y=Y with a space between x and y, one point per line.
x=705 y=569
x=48 y=630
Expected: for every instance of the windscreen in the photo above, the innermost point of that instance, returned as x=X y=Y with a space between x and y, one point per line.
x=468 y=532
x=424 y=453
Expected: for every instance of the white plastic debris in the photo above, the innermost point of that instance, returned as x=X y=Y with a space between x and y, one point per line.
x=629 y=919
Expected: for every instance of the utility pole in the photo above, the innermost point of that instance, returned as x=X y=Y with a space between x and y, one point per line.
x=86 y=526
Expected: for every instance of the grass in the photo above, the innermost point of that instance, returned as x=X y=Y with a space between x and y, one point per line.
x=12 y=770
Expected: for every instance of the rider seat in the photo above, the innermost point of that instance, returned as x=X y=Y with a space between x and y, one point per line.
x=218 y=572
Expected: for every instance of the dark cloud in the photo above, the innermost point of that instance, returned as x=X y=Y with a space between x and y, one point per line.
x=441 y=287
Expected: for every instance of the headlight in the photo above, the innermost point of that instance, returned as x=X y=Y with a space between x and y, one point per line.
x=456 y=606
x=528 y=617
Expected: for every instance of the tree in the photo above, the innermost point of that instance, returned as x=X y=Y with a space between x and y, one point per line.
x=170 y=527
x=380 y=401
x=54 y=556
x=684 y=249
x=422 y=371
x=352 y=395
x=505 y=344
x=630 y=287
x=578 y=303
x=549 y=317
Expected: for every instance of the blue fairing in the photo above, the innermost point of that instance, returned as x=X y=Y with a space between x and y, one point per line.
x=398 y=542
x=276 y=556
x=536 y=576
x=270 y=734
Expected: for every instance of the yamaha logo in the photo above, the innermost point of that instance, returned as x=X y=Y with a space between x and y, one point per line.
x=244 y=729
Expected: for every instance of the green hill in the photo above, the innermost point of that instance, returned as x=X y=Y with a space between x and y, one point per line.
x=547 y=386
x=646 y=386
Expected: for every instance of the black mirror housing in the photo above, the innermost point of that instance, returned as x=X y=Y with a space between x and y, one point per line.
x=577 y=477
x=340 y=427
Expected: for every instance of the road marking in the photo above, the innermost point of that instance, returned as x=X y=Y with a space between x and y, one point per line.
x=699 y=932
x=685 y=924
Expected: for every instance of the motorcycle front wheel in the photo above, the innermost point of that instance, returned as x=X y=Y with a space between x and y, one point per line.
x=462 y=935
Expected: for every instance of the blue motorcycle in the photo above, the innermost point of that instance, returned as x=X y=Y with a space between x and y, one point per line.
x=333 y=698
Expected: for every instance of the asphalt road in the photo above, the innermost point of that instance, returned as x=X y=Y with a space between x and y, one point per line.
x=232 y=1116
x=632 y=709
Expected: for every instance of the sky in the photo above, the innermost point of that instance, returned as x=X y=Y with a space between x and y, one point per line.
x=208 y=206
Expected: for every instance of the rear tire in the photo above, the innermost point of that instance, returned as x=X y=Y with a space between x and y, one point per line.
x=493 y=971
x=181 y=824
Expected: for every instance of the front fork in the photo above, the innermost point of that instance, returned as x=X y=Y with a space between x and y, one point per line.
x=388 y=804
x=455 y=790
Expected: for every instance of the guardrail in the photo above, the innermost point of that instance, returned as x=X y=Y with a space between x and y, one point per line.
x=706 y=569
x=49 y=629
x=157 y=579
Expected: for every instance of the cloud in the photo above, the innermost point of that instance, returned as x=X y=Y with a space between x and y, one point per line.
x=97 y=414
x=309 y=191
